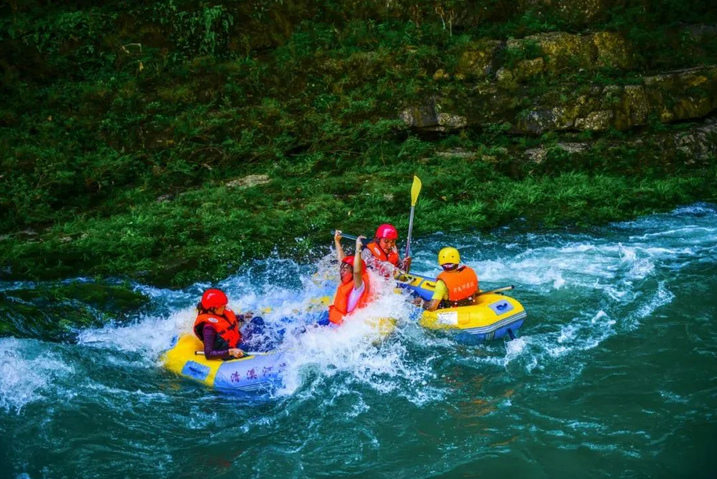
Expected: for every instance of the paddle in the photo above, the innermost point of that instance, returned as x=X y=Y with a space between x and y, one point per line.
x=246 y=353
x=347 y=236
x=415 y=190
x=497 y=290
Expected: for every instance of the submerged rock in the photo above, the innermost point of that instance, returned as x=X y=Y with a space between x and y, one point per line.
x=56 y=312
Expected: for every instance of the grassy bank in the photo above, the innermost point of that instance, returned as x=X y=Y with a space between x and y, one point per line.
x=210 y=231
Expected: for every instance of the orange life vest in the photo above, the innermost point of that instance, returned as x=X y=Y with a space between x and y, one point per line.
x=339 y=309
x=462 y=286
x=227 y=328
x=381 y=255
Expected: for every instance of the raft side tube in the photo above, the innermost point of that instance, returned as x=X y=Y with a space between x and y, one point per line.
x=490 y=318
x=248 y=374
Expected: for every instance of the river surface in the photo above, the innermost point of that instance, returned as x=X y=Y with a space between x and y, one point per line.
x=614 y=374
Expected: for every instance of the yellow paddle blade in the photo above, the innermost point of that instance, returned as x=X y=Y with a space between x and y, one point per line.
x=415 y=189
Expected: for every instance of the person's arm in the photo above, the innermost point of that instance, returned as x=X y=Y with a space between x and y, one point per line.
x=358 y=270
x=337 y=243
x=475 y=296
x=209 y=335
x=210 y=338
x=406 y=265
x=437 y=297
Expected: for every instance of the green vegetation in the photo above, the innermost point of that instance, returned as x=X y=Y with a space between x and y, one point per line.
x=124 y=124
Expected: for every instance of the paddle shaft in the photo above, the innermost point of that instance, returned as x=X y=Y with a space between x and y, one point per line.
x=410 y=229
x=348 y=236
x=497 y=290
x=246 y=353
x=415 y=191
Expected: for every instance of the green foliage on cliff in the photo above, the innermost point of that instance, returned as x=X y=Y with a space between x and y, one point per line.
x=122 y=123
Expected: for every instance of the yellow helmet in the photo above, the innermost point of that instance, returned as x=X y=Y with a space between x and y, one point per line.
x=449 y=255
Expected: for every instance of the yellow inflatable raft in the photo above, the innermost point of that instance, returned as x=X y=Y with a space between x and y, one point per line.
x=493 y=317
x=254 y=373
x=260 y=372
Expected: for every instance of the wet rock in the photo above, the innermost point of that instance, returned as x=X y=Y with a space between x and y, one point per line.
x=429 y=117
x=527 y=69
x=536 y=155
x=699 y=144
x=248 y=181
x=636 y=105
x=596 y=121
x=564 y=50
x=506 y=79
x=458 y=154
x=611 y=50
x=560 y=52
x=423 y=116
x=574 y=148
x=479 y=61
x=441 y=75
x=669 y=97
x=695 y=146
x=450 y=121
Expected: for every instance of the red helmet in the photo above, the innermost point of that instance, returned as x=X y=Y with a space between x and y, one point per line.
x=214 y=298
x=387 y=231
x=350 y=260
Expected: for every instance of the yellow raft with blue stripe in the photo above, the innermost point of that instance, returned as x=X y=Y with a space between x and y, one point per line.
x=253 y=373
x=492 y=317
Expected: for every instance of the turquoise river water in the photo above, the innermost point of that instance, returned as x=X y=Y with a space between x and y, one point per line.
x=614 y=374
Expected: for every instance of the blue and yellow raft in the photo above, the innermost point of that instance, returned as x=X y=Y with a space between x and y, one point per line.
x=254 y=373
x=493 y=317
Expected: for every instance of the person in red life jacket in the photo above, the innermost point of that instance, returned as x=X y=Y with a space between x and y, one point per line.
x=456 y=286
x=383 y=249
x=218 y=327
x=354 y=290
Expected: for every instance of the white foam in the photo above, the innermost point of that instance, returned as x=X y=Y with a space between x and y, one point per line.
x=28 y=373
x=150 y=335
x=660 y=298
x=357 y=351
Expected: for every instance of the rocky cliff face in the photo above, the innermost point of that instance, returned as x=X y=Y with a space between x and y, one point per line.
x=538 y=92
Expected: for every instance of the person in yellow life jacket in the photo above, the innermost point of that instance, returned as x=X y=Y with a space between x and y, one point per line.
x=218 y=327
x=456 y=286
x=383 y=249
x=354 y=291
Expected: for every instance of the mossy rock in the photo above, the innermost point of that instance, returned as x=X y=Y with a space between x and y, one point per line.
x=479 y=59
x=57 y=311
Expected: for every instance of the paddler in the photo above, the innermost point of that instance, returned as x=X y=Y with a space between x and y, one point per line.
x=384 y=254
x=354 y=291
x=218 y=327
x=456 y=286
